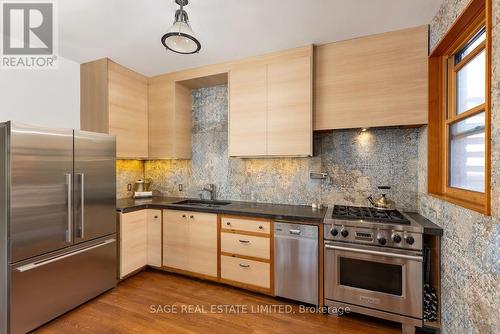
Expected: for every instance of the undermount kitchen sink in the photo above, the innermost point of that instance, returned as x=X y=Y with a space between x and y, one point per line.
x=204 y=203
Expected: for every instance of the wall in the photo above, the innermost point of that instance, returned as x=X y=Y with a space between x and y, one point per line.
x=127 y=171
x=471 y=243
x=42 y=97
x=358 y=163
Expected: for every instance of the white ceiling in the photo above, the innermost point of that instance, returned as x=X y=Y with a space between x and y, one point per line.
x=129 y=31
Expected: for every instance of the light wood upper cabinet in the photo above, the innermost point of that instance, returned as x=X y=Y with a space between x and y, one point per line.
x=270 y=111
x=289 y=110
x=190 y=242
x=114 y=100
x=248 y=110
x=170 y=109
x=379 y=80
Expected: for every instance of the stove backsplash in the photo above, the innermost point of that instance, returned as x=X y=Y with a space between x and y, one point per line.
x=357 y=161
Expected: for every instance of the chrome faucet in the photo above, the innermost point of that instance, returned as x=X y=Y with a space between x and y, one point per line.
x=211 y=189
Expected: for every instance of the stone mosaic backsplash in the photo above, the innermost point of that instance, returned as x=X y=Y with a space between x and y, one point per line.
x=127 y=171
x=357 y=161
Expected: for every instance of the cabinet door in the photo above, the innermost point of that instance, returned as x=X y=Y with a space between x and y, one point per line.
x=128 y=111
x=379 y=80
x=133 y=241
x=248 y=110
x=175 y=239
x=170 y=116
x=289 y=128
x=161 y=119
x=154 y=237
x=203 y=243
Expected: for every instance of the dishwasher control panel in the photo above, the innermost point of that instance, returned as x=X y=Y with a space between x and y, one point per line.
x=299 y=230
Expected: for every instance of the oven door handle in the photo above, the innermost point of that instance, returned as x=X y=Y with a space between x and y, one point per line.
x=364 y=251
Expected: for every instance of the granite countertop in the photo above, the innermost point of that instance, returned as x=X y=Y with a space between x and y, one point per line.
x=264 y=210
x=299 y=213
x=429 y=227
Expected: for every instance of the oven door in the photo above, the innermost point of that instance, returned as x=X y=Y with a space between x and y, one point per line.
x=374 y=278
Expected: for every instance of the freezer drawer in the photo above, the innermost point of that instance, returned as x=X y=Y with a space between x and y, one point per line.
x=44 y=289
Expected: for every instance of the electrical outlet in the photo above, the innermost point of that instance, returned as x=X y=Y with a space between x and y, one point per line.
x=180 y=187
x=129 y=187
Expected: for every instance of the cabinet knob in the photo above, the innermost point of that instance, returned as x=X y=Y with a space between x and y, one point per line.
x=192 y=217
x=156 y=216
x=183 y=216
x=261 y=227
x=228 y=223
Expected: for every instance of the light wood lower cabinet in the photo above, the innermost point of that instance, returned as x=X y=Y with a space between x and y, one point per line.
x=133 y=241
x=246 y=245
x=190 y=242
x=246 y=271
x=247 y=253
x=154 y=237
x=239 y=252
x=246 y=224
x=140 y=240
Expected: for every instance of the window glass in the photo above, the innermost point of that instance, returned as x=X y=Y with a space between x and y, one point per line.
x=467 y=153
x=471 y=45
x=471 y=80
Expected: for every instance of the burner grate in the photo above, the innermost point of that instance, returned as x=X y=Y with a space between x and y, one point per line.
x=369 y=214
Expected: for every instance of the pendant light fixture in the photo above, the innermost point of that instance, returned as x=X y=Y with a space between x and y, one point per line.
x=180 y=37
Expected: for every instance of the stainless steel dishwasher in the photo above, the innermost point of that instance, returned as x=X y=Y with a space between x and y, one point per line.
x=296 y=261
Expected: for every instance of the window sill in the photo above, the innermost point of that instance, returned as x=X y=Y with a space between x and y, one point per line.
x=474 y=206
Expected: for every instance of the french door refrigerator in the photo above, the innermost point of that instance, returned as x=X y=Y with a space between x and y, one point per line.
x=57 y=222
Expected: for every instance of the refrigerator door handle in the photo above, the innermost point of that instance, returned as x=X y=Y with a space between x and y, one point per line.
x=82 y=205
x=69 y=188
x=34 y=265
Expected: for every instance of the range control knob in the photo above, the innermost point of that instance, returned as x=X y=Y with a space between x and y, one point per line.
x=382 y=240
x=334 y=232
x=410 y=240
x=396 y=238
x=344 y=233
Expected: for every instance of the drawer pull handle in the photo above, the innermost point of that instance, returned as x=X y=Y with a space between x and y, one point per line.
x=244 y=265
x=156 y=216
x=245 y=241
x=228 y=223
x=183 y=216
x=192 y=217
x=261 y=227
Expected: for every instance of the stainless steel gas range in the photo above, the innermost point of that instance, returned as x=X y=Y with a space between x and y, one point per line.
x=373 y=263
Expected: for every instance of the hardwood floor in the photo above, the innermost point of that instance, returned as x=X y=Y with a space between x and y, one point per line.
x=127 y=309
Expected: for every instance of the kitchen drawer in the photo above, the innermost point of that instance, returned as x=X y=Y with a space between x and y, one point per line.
x=246 y=245
x=246 y=224
x=246 y=271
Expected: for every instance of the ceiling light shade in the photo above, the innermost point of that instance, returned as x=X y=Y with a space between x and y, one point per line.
x=180 y=37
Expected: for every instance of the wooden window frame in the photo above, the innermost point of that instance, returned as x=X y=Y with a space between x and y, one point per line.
x=442 y=105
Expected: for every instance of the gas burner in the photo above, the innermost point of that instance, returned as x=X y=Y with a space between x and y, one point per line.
x=369 y=214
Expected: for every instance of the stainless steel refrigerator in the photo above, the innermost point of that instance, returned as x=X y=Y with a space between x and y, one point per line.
x=57 y=222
